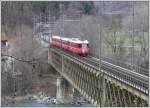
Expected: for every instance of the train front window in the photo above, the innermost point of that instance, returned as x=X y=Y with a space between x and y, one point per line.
x=84 y=45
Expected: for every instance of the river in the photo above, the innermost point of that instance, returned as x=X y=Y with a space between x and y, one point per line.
x=33 y=103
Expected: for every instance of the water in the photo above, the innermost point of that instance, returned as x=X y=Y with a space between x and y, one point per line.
x=33 y=103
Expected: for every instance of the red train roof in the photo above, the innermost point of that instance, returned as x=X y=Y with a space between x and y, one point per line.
x=75 y=40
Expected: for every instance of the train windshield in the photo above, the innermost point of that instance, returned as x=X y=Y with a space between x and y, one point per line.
x=84 y=45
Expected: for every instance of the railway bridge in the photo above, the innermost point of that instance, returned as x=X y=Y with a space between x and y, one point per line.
x=103 y=85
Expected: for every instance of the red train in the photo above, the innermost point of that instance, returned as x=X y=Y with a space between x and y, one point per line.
x=74 y=45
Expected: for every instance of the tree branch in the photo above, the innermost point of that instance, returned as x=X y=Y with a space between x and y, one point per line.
x=18 y=59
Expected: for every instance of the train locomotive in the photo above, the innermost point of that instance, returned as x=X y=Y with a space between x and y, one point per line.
x=75 y=45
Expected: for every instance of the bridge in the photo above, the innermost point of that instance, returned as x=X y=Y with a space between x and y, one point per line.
x=103 y=84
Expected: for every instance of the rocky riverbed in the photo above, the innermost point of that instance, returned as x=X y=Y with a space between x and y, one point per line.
x=41 y=100
x=43 y=96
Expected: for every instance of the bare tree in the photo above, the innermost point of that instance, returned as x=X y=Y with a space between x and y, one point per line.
x=114 y=38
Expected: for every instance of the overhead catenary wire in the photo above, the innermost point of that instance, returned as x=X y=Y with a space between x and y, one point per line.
x=32 y=61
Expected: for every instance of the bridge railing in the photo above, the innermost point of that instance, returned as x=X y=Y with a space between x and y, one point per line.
x=134 y=68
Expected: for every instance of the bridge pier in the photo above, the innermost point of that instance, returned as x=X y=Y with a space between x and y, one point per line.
x=65 y=91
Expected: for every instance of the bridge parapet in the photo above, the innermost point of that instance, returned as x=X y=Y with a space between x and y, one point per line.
x=96 y=86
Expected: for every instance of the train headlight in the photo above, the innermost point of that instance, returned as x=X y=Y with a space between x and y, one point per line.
x=83 y=50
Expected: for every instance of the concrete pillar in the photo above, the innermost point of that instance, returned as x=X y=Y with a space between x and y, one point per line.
x=64 y=91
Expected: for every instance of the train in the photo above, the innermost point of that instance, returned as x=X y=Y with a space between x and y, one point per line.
x=74 y=45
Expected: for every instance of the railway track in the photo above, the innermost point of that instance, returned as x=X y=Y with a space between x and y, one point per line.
x=126 y=75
